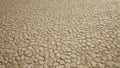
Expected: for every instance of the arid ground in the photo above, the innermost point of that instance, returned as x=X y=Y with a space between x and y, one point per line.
x=59 y=33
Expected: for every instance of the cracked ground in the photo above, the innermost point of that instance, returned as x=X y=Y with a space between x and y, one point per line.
x=59 y=33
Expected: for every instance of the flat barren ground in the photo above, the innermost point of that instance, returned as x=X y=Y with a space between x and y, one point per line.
x=59 y=33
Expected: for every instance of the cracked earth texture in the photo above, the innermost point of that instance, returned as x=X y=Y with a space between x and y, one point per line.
x=59 y=33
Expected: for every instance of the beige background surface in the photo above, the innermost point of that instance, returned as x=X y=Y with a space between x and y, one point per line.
x=59 y=33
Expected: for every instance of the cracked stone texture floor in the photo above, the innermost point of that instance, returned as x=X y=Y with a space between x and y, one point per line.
x=59 y=33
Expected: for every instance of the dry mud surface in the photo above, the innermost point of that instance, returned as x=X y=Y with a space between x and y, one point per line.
x=59 y=33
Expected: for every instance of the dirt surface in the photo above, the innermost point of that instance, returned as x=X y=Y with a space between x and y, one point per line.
x=59 y=33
